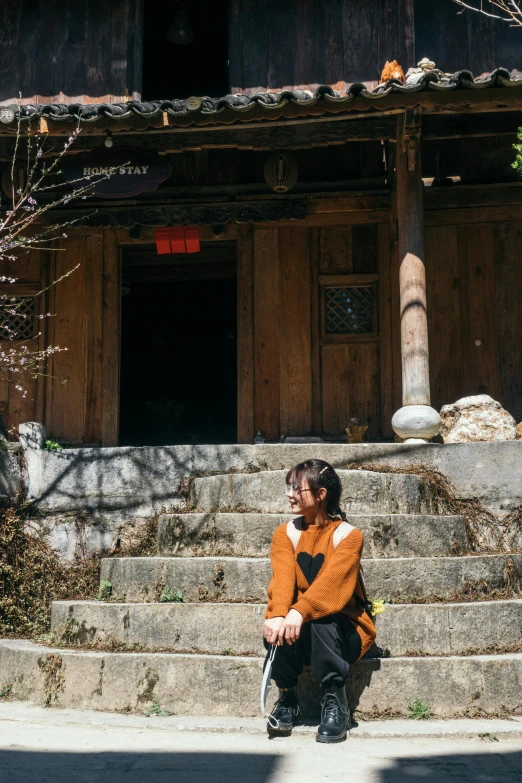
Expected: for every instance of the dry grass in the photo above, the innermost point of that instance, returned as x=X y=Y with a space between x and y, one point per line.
x=485 y=531
x=32 y=575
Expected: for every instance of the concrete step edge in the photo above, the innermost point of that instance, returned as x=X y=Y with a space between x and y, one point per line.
x=462 y=728
x=287 y=516
x=390 y=606
x=228 y=558
x=25 y=645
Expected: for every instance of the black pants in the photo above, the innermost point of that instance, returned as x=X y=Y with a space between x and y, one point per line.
x=328 y=645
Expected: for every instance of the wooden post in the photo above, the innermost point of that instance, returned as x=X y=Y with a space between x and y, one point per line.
x=416 y=419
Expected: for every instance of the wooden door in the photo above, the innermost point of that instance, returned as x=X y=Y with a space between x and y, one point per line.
x=352 y=330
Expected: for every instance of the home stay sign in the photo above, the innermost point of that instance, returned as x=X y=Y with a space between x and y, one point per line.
x=117 y=172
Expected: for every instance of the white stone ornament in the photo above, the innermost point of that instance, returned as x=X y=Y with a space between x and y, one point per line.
x=477 y=418
x=416 y=422
x=32 y=435
x=7 y=115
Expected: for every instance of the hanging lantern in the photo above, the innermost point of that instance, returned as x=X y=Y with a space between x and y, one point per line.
x=281 y=172
x=19 y=179
x=180 y=31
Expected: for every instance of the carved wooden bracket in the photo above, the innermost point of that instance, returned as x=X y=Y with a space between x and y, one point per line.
x=412 y=135
x=184 y=214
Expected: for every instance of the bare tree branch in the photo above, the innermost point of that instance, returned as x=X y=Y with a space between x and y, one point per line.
x=511 y=10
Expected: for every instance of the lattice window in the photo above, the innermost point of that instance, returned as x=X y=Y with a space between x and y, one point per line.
x=17 y=318
x=349 y=310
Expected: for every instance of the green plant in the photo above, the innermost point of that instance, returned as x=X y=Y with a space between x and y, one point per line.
x=486 y=735
x=417 y=710
x=104 y=590
x=5 y=691
x=171 y=596
x=52 y=445
x=155 y=710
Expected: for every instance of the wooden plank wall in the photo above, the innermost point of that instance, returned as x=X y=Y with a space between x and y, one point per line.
x=290 y=381
x=475 y=319
x=64 y=51
x=282 y=44
x=294 y=382
x=81 y=395
x=464 y=40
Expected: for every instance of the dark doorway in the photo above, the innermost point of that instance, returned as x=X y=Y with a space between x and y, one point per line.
x=193 y=63
x=178 y=347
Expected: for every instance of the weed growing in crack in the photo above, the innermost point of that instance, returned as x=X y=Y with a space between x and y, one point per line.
x=171 y=596
x=104 y=590
x=486 y=735
x=417 y=710
x=155 y=710
x=5 y=691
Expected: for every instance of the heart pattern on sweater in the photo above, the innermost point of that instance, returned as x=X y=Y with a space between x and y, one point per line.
x=310 y=566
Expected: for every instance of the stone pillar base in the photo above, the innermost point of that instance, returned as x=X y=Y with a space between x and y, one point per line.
x=416 y=423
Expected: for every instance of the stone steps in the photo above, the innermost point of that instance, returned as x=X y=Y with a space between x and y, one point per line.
x=426 y=629
x=364 y=492
x=228 y=685
x=250 y=535
x=246 y=579
x=204 y=656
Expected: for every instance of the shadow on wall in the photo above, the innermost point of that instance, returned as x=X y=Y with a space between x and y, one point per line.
x=52 y=767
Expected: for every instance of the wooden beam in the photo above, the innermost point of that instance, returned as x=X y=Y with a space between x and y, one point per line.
x=470 y=125
x=245 y=336
x=412 y=274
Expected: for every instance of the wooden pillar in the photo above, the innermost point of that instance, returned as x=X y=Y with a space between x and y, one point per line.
x=416 y=419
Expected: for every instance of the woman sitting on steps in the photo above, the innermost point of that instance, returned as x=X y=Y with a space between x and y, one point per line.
x=316 y=611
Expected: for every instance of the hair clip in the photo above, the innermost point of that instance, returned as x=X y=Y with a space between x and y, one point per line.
x=323 y=470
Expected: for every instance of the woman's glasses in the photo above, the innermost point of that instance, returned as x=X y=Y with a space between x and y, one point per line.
x=291 y=489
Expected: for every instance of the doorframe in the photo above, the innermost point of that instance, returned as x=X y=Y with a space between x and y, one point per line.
x=115 y=240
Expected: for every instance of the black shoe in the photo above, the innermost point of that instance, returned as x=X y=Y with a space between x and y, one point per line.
x=284 y=714
x=335 y=716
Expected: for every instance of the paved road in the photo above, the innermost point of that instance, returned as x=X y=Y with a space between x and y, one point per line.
x=42 y=748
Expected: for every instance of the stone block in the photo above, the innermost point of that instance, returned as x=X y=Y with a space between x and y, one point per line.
x=250 y=535
x=229 y=685
x=478 y=418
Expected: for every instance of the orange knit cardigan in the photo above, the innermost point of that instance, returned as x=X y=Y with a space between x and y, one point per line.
x=317 y=579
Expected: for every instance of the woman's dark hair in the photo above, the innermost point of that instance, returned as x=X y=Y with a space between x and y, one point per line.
x=319 y=474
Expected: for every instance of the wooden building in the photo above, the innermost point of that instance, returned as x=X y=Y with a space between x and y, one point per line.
x=387 y=276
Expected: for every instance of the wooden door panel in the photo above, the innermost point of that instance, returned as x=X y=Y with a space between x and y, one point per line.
x=73 y=399
x=350 y=387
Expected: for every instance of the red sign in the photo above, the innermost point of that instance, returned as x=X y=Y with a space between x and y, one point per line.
x=177 y=240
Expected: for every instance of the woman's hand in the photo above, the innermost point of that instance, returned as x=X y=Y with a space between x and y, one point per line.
x=290 y=628
x=271 y=629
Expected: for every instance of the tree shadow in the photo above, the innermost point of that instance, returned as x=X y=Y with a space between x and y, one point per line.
x=19 y=766
x=464 y=768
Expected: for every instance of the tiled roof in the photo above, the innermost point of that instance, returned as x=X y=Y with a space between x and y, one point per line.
x=417 y=81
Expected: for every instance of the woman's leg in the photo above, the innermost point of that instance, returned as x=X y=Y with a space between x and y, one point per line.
x=290 y=659
x=334 y=645
x=288 y=664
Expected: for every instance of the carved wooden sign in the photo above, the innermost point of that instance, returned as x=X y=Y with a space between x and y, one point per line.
x=118 y=172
